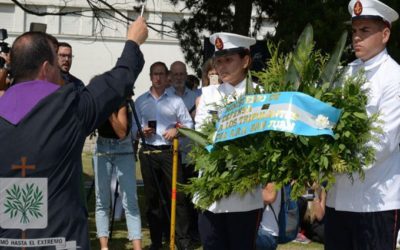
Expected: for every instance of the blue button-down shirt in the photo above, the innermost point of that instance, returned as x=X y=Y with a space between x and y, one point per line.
x=189 y=97
x=167 y=110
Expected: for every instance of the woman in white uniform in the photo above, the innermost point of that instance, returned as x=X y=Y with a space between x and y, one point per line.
x=230 y=223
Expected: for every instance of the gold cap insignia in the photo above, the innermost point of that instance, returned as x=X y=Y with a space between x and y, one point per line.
x=358 y=8
x=219 y=44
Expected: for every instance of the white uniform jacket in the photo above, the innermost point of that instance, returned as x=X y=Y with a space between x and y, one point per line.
x=380 y=191
x=210 y=100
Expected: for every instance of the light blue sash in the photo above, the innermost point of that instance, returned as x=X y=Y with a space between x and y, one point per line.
x=292 y=112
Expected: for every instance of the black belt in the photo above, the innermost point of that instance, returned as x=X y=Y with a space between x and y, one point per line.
x=157 y=147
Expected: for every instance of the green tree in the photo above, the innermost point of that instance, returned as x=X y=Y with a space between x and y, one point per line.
x=328 y=17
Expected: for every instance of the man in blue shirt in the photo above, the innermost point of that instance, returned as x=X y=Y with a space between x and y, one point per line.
x=159 y=111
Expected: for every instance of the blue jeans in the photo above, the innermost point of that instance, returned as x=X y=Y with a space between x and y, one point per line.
x=118 y=154
x=266 y=241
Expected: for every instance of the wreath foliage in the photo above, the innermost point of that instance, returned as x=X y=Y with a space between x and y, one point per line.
x=239 y=165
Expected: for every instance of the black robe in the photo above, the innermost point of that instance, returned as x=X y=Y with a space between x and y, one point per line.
x=51 y=136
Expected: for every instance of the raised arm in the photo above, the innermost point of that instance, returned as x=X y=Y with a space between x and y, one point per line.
x=106 y=92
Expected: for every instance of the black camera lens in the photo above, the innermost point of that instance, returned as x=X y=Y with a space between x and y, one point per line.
x=2 y=62
x=4 y=48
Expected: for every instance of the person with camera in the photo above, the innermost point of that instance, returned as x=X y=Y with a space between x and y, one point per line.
x=43 y=127
x=159 y=111
x=4 y=62
x=4 y=72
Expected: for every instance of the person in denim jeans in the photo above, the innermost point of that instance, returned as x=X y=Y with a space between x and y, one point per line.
x=114 y=150
x=268 y=231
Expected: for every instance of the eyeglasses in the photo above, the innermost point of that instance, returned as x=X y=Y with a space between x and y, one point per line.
x=62 y=56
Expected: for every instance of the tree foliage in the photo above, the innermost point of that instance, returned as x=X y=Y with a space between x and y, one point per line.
x=210 y=16
x=329 y=19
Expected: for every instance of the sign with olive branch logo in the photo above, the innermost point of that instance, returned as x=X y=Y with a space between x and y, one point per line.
x=23 y=203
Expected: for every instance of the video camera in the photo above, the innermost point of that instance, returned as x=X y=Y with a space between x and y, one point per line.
x=3 y=46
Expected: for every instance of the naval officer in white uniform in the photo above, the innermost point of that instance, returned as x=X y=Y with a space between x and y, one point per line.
x=364 y=214
x=230 y=223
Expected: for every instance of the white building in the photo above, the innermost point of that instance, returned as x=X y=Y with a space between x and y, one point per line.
x=95 y=51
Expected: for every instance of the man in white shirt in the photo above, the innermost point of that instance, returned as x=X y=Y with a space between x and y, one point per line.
x=364 y=214
x=159 y=111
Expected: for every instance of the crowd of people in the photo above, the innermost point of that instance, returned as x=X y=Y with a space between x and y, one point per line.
x=46 y=113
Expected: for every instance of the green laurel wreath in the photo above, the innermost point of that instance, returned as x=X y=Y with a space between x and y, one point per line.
x=239 y=165
x=26 y=201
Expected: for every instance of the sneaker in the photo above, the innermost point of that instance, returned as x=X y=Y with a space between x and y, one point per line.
x=301 y=238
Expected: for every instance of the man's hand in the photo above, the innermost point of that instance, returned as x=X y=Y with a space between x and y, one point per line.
x=138 y=31
x=148 y=131
x=170 y=134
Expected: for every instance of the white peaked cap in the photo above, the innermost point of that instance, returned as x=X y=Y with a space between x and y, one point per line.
x=228 y=42
x=372 y=8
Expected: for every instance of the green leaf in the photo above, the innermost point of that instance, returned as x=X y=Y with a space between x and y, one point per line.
x=345 y=115
x=303 y=140
x=195 y=136
x=303 y=48
x=360 y=115
x=249 y=84
x=292 y=76
x=331 y=67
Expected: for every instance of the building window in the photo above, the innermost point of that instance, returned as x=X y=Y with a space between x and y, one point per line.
x=107 y=24
x=7 y=16
x=167 y=28
x=29 y=18
x=76 y=24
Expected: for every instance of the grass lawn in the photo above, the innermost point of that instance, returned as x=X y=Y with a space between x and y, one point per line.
x=119 y=234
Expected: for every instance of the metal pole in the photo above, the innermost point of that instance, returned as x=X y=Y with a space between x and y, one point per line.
x=173 y=193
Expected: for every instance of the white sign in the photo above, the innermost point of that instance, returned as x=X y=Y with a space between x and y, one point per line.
x=59 y=243
x=23 y=203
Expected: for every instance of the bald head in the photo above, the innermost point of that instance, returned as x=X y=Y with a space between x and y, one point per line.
x=29 y=52
x=178 y=75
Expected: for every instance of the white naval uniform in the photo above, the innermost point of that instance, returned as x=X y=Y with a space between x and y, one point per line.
x=380 y=191
x=210 y=100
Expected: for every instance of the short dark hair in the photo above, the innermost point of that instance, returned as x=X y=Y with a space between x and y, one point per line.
x=158 y=64
x=382 y=23
x=64 y=44
x=28 y=52
x=191 y=81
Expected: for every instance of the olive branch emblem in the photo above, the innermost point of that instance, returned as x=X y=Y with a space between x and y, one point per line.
x=26 y=201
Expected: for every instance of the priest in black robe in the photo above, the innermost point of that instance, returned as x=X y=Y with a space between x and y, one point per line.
x=43 y=126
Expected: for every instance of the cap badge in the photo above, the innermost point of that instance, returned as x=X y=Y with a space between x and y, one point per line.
x=219 y=44
x=358 y=8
